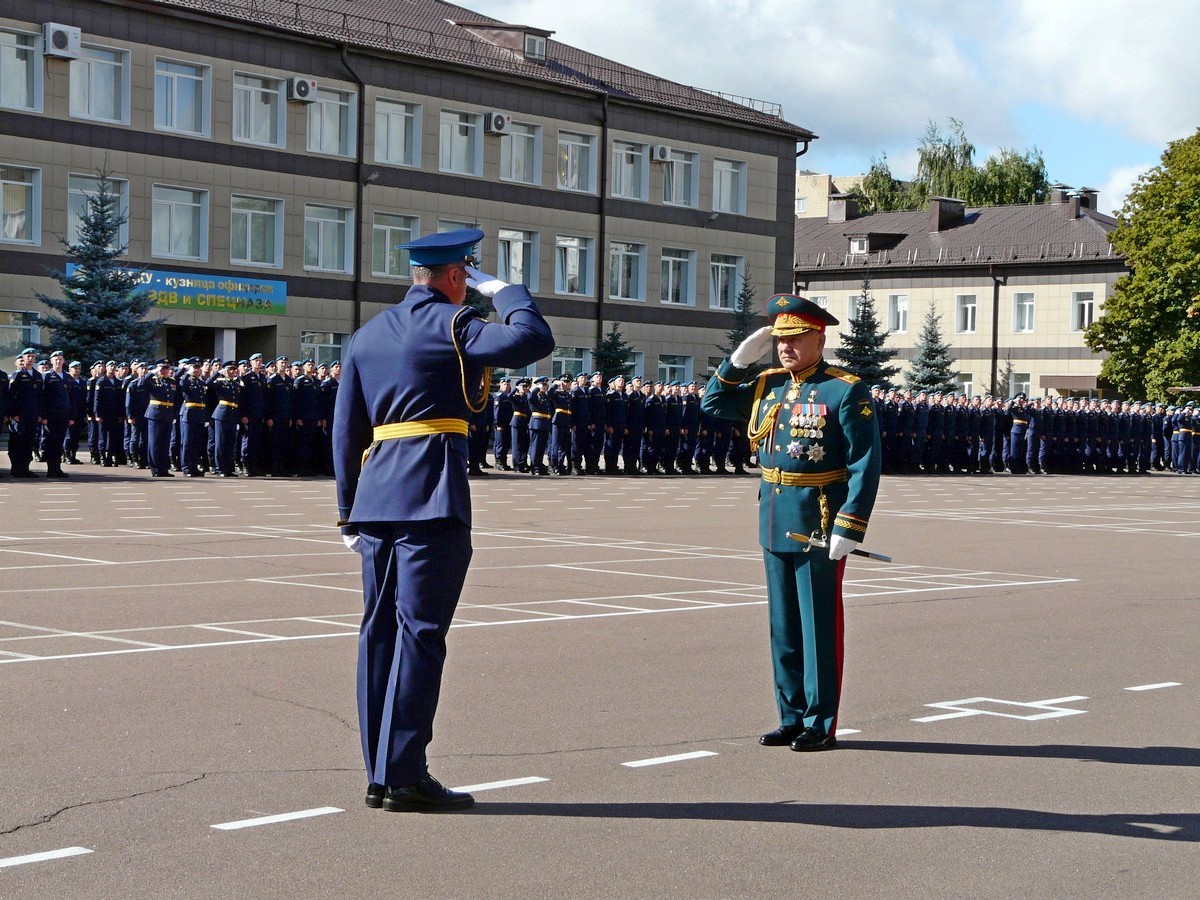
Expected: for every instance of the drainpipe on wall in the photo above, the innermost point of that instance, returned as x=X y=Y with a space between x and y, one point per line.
x=602 y=230
x=359 y=182
x=996 y=282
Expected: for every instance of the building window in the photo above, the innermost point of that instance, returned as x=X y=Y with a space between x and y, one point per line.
x=729 y=189
x=1020 y=383
x=387 y=234
x=966 y=384
x=397 y=133
x=1083 y=310
x=20 y=204
x=725 y=280
x=898 y=313
x=518 y=257
x=535 y=48
x=181 y=92
x=18 y=330
x=461 y=150
x=179 y=223
x=852 y=307
x=327 y=234
x=678 y=283
x=321 y=346
x=575 y=170
x=680 y=175
x=79 y=188
x=672 y=367
x=630 y=172
x=627 y=271
x=256 y=231
x=801 y=205
x=821 y=300
x=445 y=225
x=100 y=84
x=573 y=265
x=332 y=123
x=521 y=154
x=258 y=111
x=858 y=245
x=20 y=71
x=964 y=320
x=1022 y=312
x=569 y=360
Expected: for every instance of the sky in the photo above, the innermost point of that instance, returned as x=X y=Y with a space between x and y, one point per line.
x=1100 y=87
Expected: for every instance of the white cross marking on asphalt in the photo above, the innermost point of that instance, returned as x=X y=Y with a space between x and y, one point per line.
x=1046 y=709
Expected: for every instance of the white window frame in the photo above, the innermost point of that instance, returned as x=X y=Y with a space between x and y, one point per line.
x=322 y=346
x=723 y=171
x=1020 y=383
x=408 y=116
x=277 y=230
x=626 y=256
x=565 y=246
x=898 y=313
x=728 y=269
x=30 y=215
x=576 y=152
x=393 y=232
x=174 y=208
x=201 y=81
x=570 y=359
x=637 y=365
x=682 y=168
x=521 y=167
x=29 y=46
x=966 y=314
x=852 y=306
x=327 y=239
x=1024 y=311
x=630 y=170
x=449 y=161
x=1078 y=306
x=74 y=218
x=668 y=363
x=683 y=260
x=801 y=205
x=248 y=93
x=332 y=123
x=87 y=66
x=507 y=241
x=859 y=245
x=822 y=300
x=445 y=225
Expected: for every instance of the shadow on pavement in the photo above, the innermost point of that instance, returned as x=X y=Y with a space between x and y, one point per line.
x=1133 y=756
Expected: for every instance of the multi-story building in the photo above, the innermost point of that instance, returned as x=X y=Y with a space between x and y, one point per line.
x=1015 y=286
x=272 y=155
x=814 y=190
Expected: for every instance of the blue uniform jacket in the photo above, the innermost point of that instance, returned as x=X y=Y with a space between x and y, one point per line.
x=423 y=359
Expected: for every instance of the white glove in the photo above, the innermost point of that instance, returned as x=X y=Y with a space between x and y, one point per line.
x=487 y=285
x=752 y=349
x=840 y=547
x=353 y=542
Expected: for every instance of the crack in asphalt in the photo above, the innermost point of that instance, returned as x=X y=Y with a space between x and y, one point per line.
x=347 y=724
x=689 y=742
x=52 y=816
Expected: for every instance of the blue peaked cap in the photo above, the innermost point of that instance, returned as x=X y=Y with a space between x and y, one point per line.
x=441 y=249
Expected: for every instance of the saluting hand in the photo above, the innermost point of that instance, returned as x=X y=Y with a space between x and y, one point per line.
x=753 y=348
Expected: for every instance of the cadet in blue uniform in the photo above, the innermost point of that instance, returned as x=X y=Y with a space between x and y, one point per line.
x=279 y=417
x=616 y=416
x=540 y=413
x=56 y=413
x=411 y=378
x=520 y=426
x=814 y=427
x=226 y=388
x=502 y=416
x=254 y=408
x=24 y=413
x=162 y=409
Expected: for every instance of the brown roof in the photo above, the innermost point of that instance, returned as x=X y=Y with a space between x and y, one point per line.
x=423 y=29
x=1027 y=233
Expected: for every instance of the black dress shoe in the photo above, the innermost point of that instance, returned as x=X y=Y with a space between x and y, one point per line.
x=427 y=795
x=374 y=798
x=781 y=736
x=808 y=739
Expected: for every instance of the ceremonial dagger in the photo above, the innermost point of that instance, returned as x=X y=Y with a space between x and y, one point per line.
x=815 y=540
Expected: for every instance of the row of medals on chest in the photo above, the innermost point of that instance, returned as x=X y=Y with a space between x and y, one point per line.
x=803 y=425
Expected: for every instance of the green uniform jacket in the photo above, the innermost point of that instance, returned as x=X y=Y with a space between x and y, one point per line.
x=818 y=445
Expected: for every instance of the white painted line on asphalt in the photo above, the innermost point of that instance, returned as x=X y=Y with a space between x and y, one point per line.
x=1154 y=687
x=99 y=562
x=492 y=785
x=659 y=760
x=282 y=817
x=43 y=857
x=236 y=631
x=843 y=731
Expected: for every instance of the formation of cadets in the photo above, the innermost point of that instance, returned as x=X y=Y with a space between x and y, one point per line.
x=196 y=417
x=271 y=417
x=937 y=433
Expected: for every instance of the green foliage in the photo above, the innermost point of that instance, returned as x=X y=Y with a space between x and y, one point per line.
x=862 y=351
x=1011 y=178
x=931 y=366
x=880 y=192
x=1003 y=382
x=101 y=314
x=945 y=163
x=613 y=355
x=1148 y=326
x=745 y=311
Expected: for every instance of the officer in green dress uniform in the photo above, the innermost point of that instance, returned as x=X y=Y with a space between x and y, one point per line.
x=814 y=429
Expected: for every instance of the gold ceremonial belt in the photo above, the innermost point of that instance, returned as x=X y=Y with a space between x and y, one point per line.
x=229 y=403
x=1020 y=421
x=194 y=405
x=564 y=411
x=804 y=479
x=161 y=403
x=541 y=415
x=419 y=428
x=521 y=415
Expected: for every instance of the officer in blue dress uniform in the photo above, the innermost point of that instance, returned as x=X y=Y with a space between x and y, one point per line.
x=56 y=413
x=635 y=423
x=616 y=417
x=279 y=417
x=520 y=426
x=540 y=413
x=254 y=408
x=136 y=401
x=24 y=413
x=561 y=431
x=502 y=415
x=162 y=409
x=192 y=413
x=78 y=429
x=411 y=378
x=597 y=411
x=583 y=429
x=226 y=389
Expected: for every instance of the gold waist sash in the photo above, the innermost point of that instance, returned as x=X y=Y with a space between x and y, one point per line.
x=805 y=479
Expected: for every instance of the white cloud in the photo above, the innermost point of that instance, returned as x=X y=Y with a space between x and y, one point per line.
x=1116 y=187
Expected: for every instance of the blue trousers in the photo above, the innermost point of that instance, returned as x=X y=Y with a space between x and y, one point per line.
x=413 y=573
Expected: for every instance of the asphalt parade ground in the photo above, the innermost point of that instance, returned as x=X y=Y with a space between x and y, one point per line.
x=1020 y=711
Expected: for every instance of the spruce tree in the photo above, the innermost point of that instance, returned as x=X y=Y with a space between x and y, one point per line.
x=1004 y=377
x=613 y=355
x=931 y=366
x=862 y=351
x=745 y=311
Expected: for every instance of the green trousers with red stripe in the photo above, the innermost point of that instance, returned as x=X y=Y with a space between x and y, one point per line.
x=804 y=603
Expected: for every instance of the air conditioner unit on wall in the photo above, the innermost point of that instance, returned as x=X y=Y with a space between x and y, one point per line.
x=302 y=90
x=61 y=40
x=497 y=122
x=660 y=153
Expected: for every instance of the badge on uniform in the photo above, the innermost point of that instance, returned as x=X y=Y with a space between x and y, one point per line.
x=864 y=409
